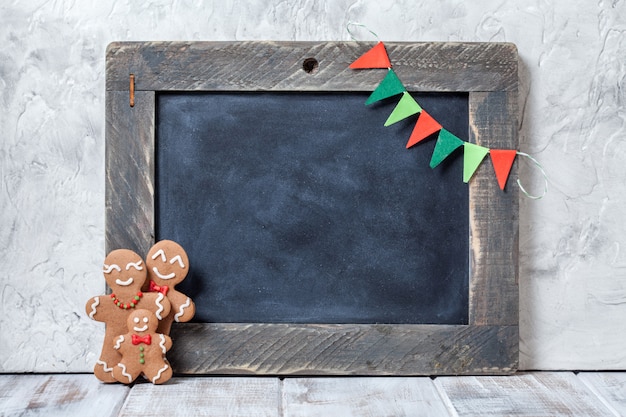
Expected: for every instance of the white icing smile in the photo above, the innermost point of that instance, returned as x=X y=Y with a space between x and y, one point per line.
x=158 y=274
x=140 y=329
x=124 y=283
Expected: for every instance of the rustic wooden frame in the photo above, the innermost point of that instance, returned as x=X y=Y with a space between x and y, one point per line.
x=487 y=71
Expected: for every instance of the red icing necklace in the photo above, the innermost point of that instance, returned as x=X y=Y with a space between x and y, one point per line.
x=126 y=306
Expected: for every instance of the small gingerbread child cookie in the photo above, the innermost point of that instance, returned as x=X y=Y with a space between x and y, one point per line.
x=125 y=273
x=168 y=265
x=142 y=350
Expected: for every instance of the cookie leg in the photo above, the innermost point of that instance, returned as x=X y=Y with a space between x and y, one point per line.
x=109 y=357
x=104 y=371
x=124 y=374
x=158 y=375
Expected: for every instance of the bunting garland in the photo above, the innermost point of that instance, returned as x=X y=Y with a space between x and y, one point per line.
x=502 y=162
x=426 y=126
x=374 y=58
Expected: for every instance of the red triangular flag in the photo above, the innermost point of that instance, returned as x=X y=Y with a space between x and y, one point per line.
x=424 y=127
x=502 y=162
x=374 y=58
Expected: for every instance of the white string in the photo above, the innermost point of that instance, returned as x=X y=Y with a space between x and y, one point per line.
x=545 y=179
x=362 y=26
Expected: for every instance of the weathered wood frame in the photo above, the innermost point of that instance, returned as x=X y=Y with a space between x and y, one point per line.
x=487 y=71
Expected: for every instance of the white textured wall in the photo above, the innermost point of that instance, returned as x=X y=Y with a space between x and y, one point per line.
x=573 y=242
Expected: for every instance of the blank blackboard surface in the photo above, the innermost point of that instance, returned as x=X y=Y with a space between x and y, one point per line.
x=304 y=208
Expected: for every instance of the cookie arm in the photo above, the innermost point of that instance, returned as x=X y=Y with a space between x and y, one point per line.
x=120 y=343
x=165 y=342
x=94 y=308
x=186 y=311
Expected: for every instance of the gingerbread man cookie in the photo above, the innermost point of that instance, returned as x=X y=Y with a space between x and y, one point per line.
x=125 y=273
x=168 y=265
x=142 y=350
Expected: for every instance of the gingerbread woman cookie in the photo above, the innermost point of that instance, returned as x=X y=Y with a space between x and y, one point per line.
x=125 y=273
x=142 y=350
x=168 y=265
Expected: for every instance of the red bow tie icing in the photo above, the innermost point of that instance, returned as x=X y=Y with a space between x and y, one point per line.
x=160 y=288
x=147 y=339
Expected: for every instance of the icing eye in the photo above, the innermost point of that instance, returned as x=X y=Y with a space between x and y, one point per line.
x=145 y=319
x=136 y=319
x=161 y=254
x=136 y=265
x=178 y=259
x=108 y=268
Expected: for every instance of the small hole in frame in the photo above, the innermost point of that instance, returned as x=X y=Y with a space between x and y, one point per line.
x=310 y=65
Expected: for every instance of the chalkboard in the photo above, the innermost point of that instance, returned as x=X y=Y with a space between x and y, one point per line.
x=422 y=267
x=304 y=208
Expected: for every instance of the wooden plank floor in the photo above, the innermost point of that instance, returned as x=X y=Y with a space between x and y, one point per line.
x=524 y=394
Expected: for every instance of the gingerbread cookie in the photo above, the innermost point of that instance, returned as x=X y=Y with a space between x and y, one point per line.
x=125 y=273
x=168 y=265
x=142 y=350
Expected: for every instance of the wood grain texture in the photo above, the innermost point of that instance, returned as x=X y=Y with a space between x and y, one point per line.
x=66 y=395
x=494 y=215
x=546 y=394
x=489 y=71
x=523 y=394
x=205 y=397
x=609 y=387
x=277 y=66
x=361 y=397
x=291 y=349
x=129 y=160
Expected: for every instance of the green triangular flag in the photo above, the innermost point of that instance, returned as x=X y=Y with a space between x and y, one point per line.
x=473 y=155
x=446 y=144
x=390 y=86
x=407 y=106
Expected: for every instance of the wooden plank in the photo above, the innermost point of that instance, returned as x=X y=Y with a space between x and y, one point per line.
x=66 y=395
x=205 y=397
x=494 y=215
x=130 y=168
x=610 y=387
x=547 y=394
x=278 y=66
x=362 y=397
x=289 y=349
